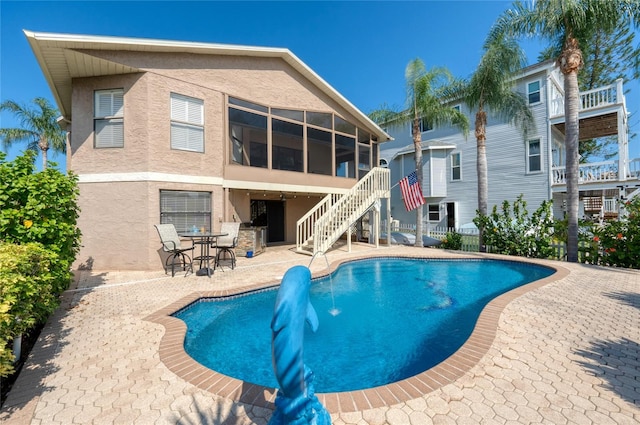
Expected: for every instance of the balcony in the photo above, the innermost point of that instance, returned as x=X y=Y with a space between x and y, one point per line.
x=599 y=172
x=591 y=100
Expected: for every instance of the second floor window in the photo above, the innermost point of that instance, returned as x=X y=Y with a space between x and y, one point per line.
x=533 y=92
x=187 y=123
x=423 y=125
x=534 y=158
x=108 y=118
x=456 y=169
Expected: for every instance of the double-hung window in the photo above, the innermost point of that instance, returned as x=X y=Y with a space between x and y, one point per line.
x=456 y=169
x=433 y=212
x=533 y=92
x=534 y=157
x=108 y=118
x=187 y=123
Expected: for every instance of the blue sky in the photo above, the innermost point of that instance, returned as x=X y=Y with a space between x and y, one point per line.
x=361 y=48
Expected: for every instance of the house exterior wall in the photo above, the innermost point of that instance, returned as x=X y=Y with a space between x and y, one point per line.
x=120 y=187
x=506 y=164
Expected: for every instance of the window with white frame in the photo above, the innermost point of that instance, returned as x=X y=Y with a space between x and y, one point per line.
x=185 y=209
x=433 y=212
x=534 y=157
x=108 y=118
x=423 y=125
x=533 y=92
x=187 y=123
x=456 y=168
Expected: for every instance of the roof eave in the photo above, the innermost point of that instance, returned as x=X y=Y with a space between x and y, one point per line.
x=142 y=44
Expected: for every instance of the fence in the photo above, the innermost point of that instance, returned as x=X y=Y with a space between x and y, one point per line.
x=469 y=235
x=560 y=252
x=470 y=240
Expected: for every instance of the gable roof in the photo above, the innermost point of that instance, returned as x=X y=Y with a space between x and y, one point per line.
x=61 y=60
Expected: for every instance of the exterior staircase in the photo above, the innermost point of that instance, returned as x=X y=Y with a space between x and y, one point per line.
x=335 y=214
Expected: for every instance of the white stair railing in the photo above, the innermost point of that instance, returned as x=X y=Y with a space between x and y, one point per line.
x=305 y=226
x=333 y=216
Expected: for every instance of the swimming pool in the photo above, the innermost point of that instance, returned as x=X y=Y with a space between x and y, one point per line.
x=398 y=317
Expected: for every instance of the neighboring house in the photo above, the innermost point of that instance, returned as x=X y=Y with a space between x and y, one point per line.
x=197 y=134
x=533 y=166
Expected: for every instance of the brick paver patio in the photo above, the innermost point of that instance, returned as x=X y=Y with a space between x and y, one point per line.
x=565 y=352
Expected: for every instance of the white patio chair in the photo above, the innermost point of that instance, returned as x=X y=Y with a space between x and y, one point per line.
x=227 y=244
x=172 y=245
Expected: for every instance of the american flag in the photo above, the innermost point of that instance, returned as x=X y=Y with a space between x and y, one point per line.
x=411 y=192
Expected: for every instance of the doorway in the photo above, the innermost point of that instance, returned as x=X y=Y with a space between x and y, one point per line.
x=271 y=215
x=451 y=215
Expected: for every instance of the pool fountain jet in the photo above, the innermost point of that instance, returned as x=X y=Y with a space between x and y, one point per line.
x=333 y=310
x=296 y=402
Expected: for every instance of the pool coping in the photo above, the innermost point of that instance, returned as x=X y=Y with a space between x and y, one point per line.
x=173 y=356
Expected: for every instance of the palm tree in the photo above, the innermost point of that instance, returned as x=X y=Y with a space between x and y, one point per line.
x=39 y=129
x=491 y=87
x=570 y=21
x=423 y=101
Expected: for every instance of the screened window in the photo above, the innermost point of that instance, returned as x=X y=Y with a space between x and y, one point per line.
x=288 y=113
x=533 y=91
x=320 y=119
x=185 y=209
x=279 y=139
x=344 y=126
x=364 y=137
x=248 y=105
x=319 y=151
x=456 y=169
x=187 y=123
x=534 y=157
x=108 y=123
x=363 y=160
x=248 y=135
x=287 y=143
x=433 y=212
x=345 y=156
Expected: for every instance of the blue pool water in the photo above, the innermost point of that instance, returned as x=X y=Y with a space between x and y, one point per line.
x=397 y=317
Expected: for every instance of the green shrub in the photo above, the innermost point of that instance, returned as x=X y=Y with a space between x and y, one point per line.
x=39 y=207
x=513 y=232
x=453 y=240
x=39 y=240
x=617 y=243
x=29 y=276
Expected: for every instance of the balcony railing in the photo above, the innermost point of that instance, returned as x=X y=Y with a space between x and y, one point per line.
x=591 y=99
x=589 y=173
x=598 y=172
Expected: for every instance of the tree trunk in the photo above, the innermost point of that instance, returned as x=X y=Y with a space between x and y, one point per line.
x=481 y=169
x=43 y=144
x=570 y=62
x=417 y=144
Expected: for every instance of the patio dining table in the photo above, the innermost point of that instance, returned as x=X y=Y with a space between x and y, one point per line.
x=205 y=240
